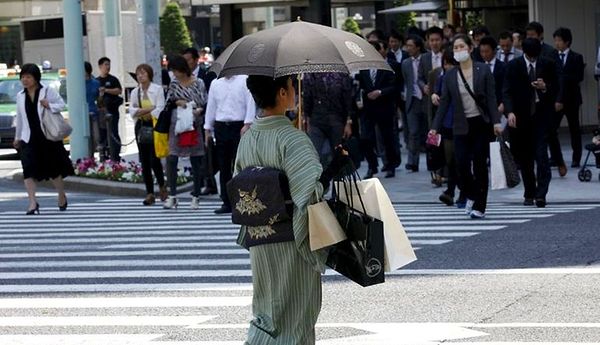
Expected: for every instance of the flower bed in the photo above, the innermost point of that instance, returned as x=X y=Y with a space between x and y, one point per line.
x=120 y=171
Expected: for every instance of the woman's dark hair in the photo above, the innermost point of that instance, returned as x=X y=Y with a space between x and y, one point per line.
x=448 y=55
x=264 y=89
x=147 y=68
x=87 y=67
x=465 y=39
x=178 y=63
x=31 y=69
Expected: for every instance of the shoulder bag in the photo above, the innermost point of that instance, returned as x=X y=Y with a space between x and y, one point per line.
x=144 y=130
x=54 y=126
x=479 y=102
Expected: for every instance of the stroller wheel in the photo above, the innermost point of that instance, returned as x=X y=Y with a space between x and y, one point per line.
x=581 y=175
x=587 y=175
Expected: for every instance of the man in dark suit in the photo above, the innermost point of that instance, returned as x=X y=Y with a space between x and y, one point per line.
x=478 y=33
x=395 y=56
x=415 y=101
x=430 y=60
x=379 y=99
x=536 y=30
x=487 y=49
x=529 y=94
x=569 y=100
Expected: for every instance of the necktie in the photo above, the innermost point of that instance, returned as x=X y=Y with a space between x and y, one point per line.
x=373 y=75
x=506 y=54
x=533 y=97
x=490 y=66
x=562 y=58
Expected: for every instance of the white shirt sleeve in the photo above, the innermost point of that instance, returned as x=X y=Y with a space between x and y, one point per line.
x=134 y=105
x=250 y=108
x=158 y=100
x=211 y=109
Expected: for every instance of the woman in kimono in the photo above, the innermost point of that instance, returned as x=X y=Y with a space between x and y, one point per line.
x=286 y=276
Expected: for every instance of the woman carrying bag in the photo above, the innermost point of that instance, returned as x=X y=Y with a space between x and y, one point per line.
x=185 y=91
x=286 y=276
x=470 y=88
x=42 y=159
x=147 y=101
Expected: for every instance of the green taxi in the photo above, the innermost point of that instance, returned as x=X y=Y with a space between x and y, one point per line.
x=9 y=88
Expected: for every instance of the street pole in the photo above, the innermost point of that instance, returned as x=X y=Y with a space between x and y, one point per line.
x=148 y=44
x=112 y=37
x=78 y=112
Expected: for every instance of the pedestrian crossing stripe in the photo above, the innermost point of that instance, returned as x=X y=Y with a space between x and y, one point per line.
x=120 y=245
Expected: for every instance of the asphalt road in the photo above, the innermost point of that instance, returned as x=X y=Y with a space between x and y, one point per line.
x=110 y=271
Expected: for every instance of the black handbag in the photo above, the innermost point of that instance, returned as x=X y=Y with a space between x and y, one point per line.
x=144 y=133
x=510 y=166
x=164 y=118
x=435 y=157
x=261 y=200
x=361 y=256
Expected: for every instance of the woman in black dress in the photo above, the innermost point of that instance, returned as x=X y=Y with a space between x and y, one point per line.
x=41 y=158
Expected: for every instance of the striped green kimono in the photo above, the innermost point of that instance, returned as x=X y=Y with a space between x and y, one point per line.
x=286 y=276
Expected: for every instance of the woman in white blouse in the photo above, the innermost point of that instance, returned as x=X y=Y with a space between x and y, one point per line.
x=42 y=159
x=147 y=101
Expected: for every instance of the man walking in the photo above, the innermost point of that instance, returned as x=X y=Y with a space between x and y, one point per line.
x=569 y=99
x=229 y=113
x=415 y=104
x=507 y=51
x=111 y=88
x=487 y=49
x=529 y=96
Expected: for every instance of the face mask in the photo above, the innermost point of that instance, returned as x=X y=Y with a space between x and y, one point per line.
x=461 y=56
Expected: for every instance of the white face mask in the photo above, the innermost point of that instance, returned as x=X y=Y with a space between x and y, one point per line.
x=461 y=56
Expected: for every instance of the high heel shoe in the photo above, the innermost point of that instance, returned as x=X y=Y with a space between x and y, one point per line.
x=33 y=211
x=63 y=207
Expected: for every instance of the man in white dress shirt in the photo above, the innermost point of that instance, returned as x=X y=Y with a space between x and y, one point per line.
x=507 y=51
x=229 y=113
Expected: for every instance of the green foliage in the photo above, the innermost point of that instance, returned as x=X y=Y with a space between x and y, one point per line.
x=351 y=26
x=174 y=33
x=404 y=20
x=473 y=20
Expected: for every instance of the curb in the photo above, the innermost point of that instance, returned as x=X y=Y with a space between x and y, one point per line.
x=91 y=185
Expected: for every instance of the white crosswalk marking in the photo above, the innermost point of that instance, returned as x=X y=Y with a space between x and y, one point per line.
x=117 y=243
x=133 y=258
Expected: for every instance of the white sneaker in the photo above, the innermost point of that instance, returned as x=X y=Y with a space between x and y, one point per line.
x=194 y=205
x=469 y=206
x=170 y=203
x=477 y=214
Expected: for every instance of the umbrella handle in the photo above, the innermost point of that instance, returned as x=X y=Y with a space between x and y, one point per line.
x=301 y=125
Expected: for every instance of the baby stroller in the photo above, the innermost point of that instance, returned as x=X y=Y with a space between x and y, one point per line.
x=585 y=174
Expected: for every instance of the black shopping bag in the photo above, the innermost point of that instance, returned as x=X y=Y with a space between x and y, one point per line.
x=435 y=157
x=510 y=166
x=361 y=256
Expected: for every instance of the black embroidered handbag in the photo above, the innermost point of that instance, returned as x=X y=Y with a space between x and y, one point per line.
x=164 y=118
x=261 y=200
x=361 y=256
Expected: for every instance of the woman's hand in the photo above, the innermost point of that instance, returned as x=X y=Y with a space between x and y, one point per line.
x=44 y=102
x=181 y=103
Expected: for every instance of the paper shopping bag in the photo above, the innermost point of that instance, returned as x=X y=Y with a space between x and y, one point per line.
x=498 y=176
x=323 y=228
x=397 y=248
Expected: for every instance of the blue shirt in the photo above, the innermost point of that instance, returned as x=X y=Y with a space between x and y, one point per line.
x=92 y=91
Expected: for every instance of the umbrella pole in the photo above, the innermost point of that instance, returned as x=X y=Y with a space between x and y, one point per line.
x=300 y=120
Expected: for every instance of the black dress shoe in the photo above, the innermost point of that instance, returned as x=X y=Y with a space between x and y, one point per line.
x=370 y=173
x=540 y=202
x=208 y=191
x=223 y=209
x=447 y=199
x=390 y=173
x=528 y=202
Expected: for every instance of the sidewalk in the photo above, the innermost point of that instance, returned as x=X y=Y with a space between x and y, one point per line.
x=405 y=187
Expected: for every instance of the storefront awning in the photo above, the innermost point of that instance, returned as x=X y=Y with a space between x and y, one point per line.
x=426 y=6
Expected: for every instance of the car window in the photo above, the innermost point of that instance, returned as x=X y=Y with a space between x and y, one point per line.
x=10 y=88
